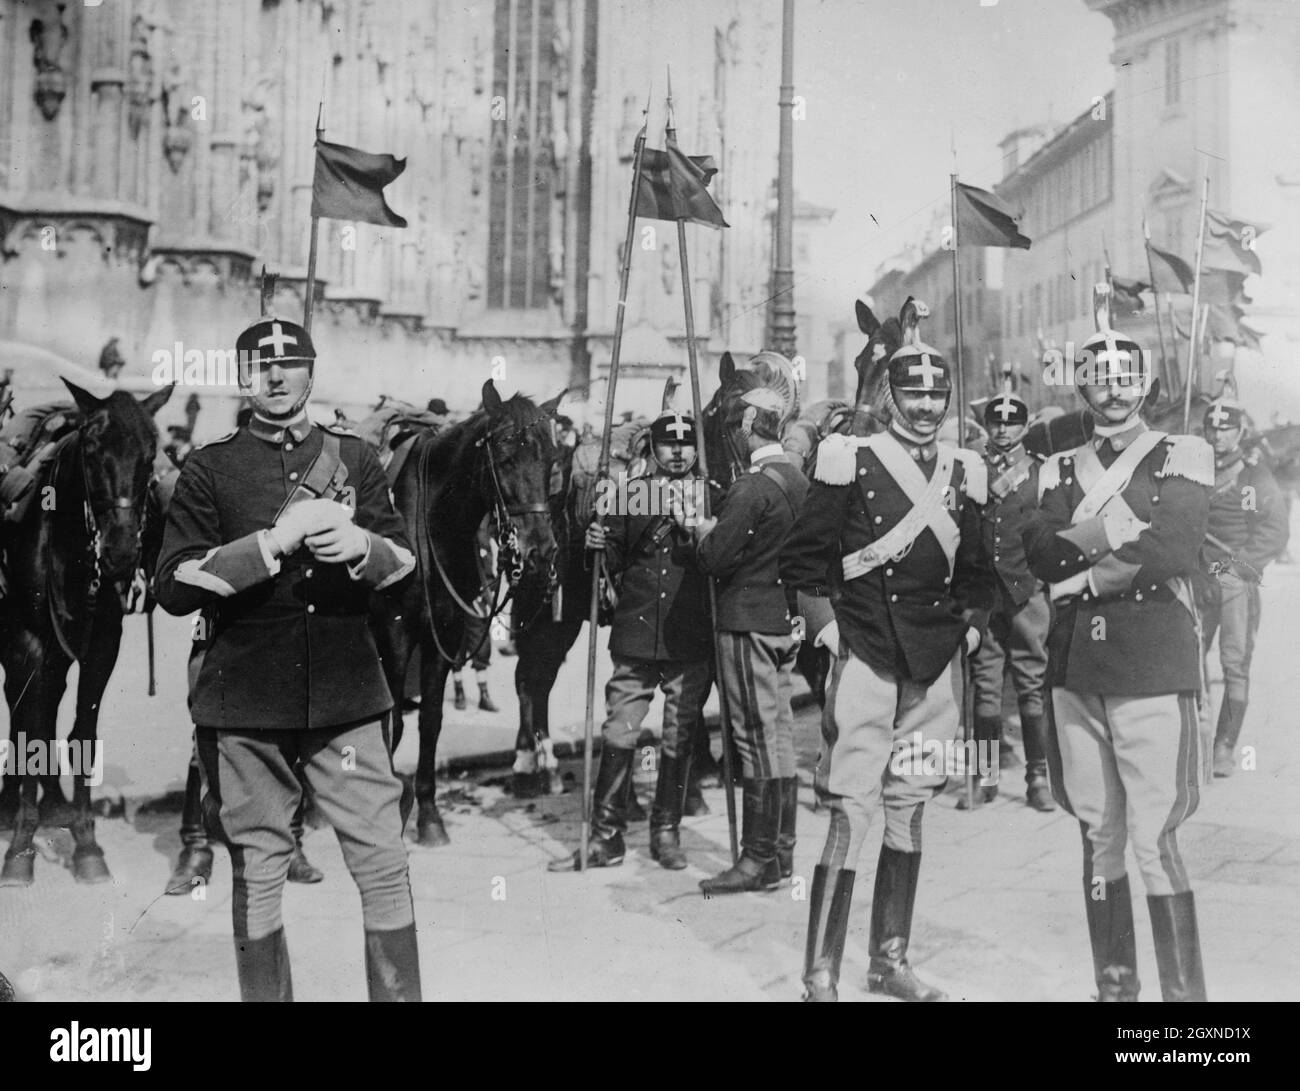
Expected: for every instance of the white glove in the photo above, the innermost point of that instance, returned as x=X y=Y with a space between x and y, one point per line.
x=1075 y=585
x=305 y=518
x=1121 y=525
x=974 y=638
x=829 y=638
x=339 y=545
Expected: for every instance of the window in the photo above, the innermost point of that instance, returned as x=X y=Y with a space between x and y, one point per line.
x=519 y=196
x=1173 y=71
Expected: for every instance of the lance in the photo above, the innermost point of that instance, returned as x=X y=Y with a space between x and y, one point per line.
x=1192 y=342
x=602 y=472
x=960 y=391
x=1160 y=328
x=309 y=293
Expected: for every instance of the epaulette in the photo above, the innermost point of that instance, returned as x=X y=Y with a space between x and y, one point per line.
x=1190 y=457
x=220 y=439
x=1049 y=474
x=837 y=458
x=977 y=474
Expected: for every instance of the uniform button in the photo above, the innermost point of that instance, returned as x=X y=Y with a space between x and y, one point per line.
x=1138 y=595
x=997 y=557
x=1069 y=481
x=663 y=572
x=307 y=573
x=1062 y=564
x=998 y=519
x=879 y=519
x=1093 y=551
x=893 y=598
x=663 y=594
x=947 y=580
x=293 y=476
x=311 y=609
x=936 y=602
x=889 y=571
x=288 y=446
x=862 y=473
x=870 y=495
x=1155 y=500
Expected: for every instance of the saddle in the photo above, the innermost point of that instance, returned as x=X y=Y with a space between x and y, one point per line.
x=392 y=430
x=29 y=441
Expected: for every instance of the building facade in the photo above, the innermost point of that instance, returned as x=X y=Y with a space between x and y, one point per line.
x=155 y=154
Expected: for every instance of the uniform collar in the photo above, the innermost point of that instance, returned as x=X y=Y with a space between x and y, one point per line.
x=1120 y=435
x=1003 y=459
x=1223 y=463
x=922 y=450
x=274 y=431
x=768 y=450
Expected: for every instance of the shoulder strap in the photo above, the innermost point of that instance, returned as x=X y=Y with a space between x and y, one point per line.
x=773 y=474
x=324 y=479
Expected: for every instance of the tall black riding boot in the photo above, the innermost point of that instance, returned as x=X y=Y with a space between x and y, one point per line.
x=1231 y=714
x=393 y=966
x=1038 y=791
x=301 y=870
x=988 y=730
x=1114 y=944
x=828 y=920
x=608 y=812
x=786 y=829
x=757 y=868
x=891 y=928
x=666 y=812
x=263 y=966
x=194 y=865
x=1178 y=946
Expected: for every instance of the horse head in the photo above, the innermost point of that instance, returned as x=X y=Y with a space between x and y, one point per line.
x=726 y=463
x=883 y=340
x=118 y=443
x=520 y=450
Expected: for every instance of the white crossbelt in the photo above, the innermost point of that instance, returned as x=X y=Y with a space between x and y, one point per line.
x=928 y=508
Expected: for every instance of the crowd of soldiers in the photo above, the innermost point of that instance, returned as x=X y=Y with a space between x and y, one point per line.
x=1097 y=577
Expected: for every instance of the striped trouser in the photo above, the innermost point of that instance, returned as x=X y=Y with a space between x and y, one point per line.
x=1130 y=769
x=757 y=672
x=876 y=732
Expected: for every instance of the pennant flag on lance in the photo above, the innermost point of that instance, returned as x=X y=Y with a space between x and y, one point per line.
x=349 y=185
x=1126 y=295
x=1169 y=272
x=1223 y=286
x=673 y=187
x=984 y=219
x=1230 y=243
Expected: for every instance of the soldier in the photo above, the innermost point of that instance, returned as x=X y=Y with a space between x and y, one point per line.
x=892 y=522
x=660 y=638
x=1117 y=537
x=1018 y=626
x=279 y=533
x=476 y=643
x=1248 y=530
x=741 y=548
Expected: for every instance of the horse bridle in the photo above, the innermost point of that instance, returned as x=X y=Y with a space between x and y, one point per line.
x=508 y=542
x=113 y=507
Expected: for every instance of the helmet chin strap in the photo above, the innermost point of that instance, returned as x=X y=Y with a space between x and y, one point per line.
x=288 y=414
x=899 y=423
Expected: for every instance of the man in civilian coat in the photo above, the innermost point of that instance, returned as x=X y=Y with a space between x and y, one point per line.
x=279 y=533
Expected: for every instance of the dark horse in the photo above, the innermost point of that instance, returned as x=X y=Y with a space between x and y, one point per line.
x=72 y=560
x=499 y=460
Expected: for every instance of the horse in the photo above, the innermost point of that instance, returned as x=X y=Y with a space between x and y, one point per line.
x=498 y=460
x=74 y=556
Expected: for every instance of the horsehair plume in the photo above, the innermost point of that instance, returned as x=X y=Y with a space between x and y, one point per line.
x=1101 y=306
x=670 y=394
x=776 y=373
x=909 y=320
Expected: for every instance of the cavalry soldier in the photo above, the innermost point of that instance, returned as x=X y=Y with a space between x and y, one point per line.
x=1117 y=536
x=659 y=638
x=1248 y=531
x=741 y=548
x=892 y=522
x=279 y=533
x=1018 y=626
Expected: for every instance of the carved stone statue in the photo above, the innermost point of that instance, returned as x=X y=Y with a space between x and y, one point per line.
x=48 y=37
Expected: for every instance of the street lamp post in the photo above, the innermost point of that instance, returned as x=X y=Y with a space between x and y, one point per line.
x=781 y=334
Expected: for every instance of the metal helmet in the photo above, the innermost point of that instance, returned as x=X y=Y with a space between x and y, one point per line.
x=273 y=340
x=673 y=427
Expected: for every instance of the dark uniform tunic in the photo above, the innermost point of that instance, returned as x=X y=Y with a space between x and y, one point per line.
x=1125 y=746
x=289 y=645
x=893 y=691
x=1019 y=622
x=757 y=649
x=290 y=677
x=660 y=636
